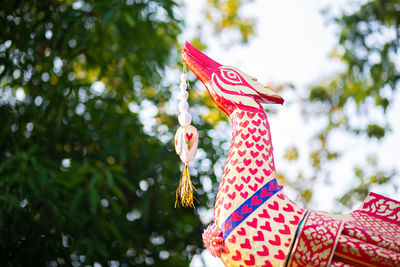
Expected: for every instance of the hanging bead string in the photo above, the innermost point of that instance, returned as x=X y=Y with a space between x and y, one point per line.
x=184 y=117
x=186 y=140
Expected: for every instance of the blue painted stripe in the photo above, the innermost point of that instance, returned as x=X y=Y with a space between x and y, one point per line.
x=249 y=206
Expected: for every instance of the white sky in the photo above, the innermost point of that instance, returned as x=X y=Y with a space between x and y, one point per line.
x=292 y=44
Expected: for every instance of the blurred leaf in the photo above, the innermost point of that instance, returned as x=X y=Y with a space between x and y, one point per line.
x=375 y=130
x=291 y=154
x=306 y=195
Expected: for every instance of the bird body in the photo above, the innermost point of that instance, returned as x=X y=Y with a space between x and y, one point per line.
x=250 y=204
x=256 y=224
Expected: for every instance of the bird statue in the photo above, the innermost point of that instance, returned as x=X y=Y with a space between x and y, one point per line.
x=255 y=223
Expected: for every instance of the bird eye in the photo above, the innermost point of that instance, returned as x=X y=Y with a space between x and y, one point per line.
x=231 y=76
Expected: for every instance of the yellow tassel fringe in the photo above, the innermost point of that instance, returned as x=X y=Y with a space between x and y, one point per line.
x=185 y=190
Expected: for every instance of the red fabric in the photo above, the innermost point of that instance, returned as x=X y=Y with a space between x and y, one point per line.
x=373 y=230
x=360 y=252
x=382 y=207
x=338 y=263
x=372 y=236
x=317 y=240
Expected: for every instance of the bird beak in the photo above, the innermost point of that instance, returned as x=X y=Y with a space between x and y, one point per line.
x=200 y=64
x=268 y=96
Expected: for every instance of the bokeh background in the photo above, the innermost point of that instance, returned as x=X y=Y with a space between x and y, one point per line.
x=88 y=112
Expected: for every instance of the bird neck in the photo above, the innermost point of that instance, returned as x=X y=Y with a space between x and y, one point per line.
x=251 y=140
x=250 y=164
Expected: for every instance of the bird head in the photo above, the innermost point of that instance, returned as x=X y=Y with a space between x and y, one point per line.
x=229 y=87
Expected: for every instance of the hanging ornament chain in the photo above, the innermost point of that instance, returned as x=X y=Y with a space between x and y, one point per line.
x=186 y=140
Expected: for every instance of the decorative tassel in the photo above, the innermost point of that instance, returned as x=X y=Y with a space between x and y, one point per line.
x=184 y=192
x=186 y=140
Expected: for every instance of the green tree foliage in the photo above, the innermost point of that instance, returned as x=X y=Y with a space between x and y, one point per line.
x=368 y=43
x=224 y=14
x=81 y=181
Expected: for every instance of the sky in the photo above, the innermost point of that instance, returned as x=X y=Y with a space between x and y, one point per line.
x=292 y=44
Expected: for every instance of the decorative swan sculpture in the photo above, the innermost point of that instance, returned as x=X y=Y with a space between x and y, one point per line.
x=256 y=224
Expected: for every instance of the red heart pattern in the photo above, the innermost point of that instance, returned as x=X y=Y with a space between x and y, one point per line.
x=263 y=237
x=256 y=238
x=245 y=209
x=237 y=256
x=266 y=227
x=189 y=136
x=264 y=252
x=259 y=236
x=252 y=223
x=244 y=194
x=246 y=244
x=250 y=261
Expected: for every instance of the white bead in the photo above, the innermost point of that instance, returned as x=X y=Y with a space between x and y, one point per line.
x=183 y=86
x=183 y=106
x=183 y=95
x=183 y=77
x=185 y=118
